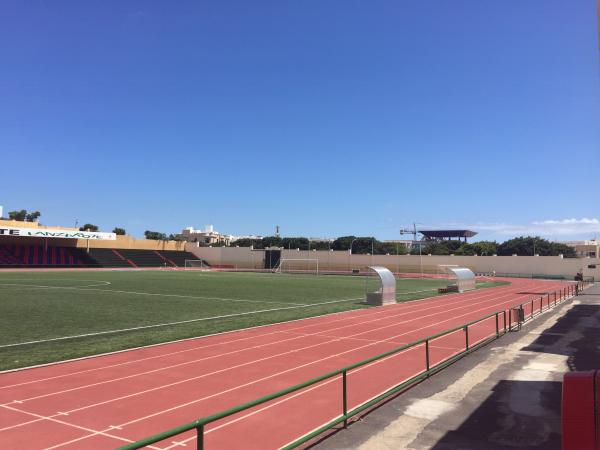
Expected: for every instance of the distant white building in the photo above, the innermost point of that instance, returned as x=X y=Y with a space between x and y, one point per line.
x=586 y=249
x=207 y=236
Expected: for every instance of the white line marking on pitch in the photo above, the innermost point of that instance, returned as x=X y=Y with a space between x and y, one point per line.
x=118 y=291
x=417 y=303
x=400 y=314
x=201 y=319
x=311 y=362
x=96 y=283
x=374 y=313
x=293 y=351
x=287 y=370
x=266 y=377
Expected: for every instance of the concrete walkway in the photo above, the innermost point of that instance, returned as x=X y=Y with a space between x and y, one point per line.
x=504 y=396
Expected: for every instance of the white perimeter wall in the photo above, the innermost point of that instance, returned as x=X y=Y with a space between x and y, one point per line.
x=244 y=258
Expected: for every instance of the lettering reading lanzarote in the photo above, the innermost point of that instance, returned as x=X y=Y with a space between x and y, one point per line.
x=61 y=234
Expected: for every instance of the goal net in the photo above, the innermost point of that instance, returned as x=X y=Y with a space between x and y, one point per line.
x=197 y=264
x=298 y=265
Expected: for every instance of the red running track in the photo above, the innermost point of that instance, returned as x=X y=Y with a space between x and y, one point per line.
x=112 y=400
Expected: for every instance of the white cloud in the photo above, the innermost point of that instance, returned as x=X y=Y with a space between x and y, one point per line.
x=585 y=227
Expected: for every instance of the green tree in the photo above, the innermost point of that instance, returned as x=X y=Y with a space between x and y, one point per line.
x=441 y=247
x=466 y=250
x=33 y=216
x=342 y=243
x=89 y=227
x=119 y=231
x=18 y=215
x=271 y=241
x=562 y=249
x=383 y=248
x=320 y=245
x=530 y=245
x=155 y=235
x=487 y=248
x=296 y=242
x=256 y=243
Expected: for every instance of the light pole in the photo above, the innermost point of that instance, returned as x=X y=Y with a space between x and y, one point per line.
x=372 y=241
x=351 y=244
x=350 y=254
x=414 y=233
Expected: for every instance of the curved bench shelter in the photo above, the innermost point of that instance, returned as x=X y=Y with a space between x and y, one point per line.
x=465 y=278
x=386 y=294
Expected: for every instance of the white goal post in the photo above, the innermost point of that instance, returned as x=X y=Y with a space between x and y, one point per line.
x=197 y=264
x=304 y=265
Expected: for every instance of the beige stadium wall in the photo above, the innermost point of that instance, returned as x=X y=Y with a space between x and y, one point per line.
x=243 y=257
x=19 y=224
x=129 y=242
x=124 y=242
x=239 y=257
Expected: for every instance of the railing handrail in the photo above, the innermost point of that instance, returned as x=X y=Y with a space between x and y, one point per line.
x=200 y=423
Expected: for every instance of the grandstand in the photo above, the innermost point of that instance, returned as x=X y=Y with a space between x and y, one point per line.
x=42 y=248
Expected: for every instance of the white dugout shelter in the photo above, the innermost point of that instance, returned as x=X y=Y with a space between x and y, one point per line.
x=465 y=278
x=386 y=293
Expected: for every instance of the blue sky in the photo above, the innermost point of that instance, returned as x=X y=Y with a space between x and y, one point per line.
x=324 y=117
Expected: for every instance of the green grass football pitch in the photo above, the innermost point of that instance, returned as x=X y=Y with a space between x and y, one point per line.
x=53 y=316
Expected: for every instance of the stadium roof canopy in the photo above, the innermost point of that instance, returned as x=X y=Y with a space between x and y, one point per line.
x=448 y=234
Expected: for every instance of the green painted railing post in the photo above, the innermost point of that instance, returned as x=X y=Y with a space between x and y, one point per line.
x=497 y=327
x=200 y=437
x=200 y=424
x=427 y=356
x=345 y=398
x=532 y=309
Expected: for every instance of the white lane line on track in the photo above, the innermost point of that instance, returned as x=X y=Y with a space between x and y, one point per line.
x=180 y=322
x=285 y=371
x=62 y=422
x=309 y=363
x=262 y=379
x=319 y=385
x=415 y=302
x=387 y=316
x=348 y=315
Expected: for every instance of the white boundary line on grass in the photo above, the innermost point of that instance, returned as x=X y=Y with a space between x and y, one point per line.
x=297 y=334
x=270 y=376
x=180 y=322
x=254 y=361
x=98 y=333
x=96 y=283
x=83 y=288
x=116 y=352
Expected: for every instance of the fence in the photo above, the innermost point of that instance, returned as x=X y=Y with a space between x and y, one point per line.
x=456 y=343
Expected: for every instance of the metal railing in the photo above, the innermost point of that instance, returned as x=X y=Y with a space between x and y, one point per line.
x=502 y=325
